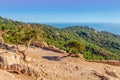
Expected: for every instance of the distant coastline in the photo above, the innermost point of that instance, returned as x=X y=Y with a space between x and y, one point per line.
x=110 y=27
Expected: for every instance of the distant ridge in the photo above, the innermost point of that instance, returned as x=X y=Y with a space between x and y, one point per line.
x=110 y=27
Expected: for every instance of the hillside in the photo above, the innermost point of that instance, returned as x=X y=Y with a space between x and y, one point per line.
x=96 y=45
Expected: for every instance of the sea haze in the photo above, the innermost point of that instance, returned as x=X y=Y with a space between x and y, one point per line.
x=110 y=27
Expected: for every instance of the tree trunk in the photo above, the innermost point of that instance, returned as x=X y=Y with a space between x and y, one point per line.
x=1 y=40
x=24 y=51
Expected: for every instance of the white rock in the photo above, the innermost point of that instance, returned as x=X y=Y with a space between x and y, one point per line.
x=10 y=58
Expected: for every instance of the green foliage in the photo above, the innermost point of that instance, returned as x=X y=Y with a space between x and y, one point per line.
x=19 y=33
x=75 y=46
x=99 y=45
x=77 y=39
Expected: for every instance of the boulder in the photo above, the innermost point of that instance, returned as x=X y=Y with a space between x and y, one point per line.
x=29 y=58
x=9 y=58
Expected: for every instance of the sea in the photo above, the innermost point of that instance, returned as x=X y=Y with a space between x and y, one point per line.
x=109 y=27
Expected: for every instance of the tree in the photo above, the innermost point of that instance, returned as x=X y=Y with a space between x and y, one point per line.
x=75 y=47
x=24 y=37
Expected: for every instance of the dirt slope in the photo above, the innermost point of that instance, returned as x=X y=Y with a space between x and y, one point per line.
x=56 y=66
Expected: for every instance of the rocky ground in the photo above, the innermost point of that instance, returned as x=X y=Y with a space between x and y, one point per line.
x=43 y=64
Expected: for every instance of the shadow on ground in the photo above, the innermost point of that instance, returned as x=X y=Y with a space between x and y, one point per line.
x=54 y=58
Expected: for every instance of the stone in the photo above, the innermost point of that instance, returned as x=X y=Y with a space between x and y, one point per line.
x=29 y=58
x=10 y=58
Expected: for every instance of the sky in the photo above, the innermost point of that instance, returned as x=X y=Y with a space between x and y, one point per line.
x=51 y=11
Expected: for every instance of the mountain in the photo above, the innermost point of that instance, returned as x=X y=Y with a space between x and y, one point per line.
x=95 y=44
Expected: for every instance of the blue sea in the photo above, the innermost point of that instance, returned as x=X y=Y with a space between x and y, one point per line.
x=110 y=27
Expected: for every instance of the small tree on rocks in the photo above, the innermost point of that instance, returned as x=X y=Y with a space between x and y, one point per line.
x=75 y=47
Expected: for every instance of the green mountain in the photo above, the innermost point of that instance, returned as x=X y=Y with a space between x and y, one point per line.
x=95 y=44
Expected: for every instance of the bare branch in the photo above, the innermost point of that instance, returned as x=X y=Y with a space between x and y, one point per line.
x=23 y=51
x=1 y=40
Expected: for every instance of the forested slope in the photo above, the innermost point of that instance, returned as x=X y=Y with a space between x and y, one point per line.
x=95 y=44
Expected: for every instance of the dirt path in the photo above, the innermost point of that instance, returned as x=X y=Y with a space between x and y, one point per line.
x=69 y=68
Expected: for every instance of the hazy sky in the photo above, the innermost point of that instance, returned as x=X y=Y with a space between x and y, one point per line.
x=61 y=10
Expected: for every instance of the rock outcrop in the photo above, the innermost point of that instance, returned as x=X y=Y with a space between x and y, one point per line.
x=39 y=44
x=13 y=63
x=9 y=58
x=44 y=45
x=53 y=48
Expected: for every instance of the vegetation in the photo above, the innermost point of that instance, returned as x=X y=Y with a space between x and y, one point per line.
x=75 y=46
x=77 y=39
